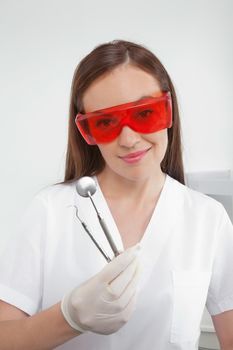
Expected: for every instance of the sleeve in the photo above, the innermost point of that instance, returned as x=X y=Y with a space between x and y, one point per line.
x=220 y=293
x=21 y=263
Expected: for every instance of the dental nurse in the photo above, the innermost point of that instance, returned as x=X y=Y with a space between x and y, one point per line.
x=175 y=244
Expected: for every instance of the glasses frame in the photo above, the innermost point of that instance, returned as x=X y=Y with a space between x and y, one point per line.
x=166 y=95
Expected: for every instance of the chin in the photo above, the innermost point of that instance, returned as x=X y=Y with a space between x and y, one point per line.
x=137 y=175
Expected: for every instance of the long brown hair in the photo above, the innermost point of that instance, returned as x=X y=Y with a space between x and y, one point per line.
x=85 y=160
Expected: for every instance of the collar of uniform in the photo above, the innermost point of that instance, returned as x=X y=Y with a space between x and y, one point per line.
x=161 y=222
x=158 y=231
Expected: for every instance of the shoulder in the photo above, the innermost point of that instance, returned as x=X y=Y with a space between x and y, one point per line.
x=55 y=193
x=197 y=201
x=48 y=202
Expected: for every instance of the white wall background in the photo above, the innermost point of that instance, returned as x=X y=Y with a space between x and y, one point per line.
x=43 y=41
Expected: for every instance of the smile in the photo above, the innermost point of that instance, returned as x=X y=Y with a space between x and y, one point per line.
x=135 y=156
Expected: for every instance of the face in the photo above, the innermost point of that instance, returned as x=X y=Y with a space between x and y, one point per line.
x=131 y=155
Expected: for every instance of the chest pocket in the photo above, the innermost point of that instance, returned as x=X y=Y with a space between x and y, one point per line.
x=190 y=289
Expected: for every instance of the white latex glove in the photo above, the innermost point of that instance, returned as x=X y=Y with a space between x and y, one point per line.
x=105 y=302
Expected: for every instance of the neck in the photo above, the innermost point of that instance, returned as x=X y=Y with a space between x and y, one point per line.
x=115 y=187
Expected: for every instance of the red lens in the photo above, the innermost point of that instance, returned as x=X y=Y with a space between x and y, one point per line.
x=147 y=116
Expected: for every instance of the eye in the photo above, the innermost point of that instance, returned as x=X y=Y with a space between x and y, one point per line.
x=144 y=114
x=104 y=123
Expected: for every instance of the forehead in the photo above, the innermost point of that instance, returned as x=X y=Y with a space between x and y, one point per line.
x=124 y=84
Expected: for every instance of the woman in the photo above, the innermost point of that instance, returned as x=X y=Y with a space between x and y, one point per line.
x=124 y=131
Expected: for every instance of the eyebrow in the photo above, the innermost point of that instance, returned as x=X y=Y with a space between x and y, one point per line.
x=140 y=98
x=146 y=96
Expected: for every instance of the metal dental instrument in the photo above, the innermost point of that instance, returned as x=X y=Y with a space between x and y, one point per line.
x=90 y=235
x=86 y=187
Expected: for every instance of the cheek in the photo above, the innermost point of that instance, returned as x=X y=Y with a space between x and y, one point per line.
x=164 y=139
x=159 y=138
x=106 y=152
x=160 y=142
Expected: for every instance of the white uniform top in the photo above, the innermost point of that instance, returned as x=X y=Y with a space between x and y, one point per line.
x=187 y=261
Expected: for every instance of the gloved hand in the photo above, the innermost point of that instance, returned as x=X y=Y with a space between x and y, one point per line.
x=105 y=302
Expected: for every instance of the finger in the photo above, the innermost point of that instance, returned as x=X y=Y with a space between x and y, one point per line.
x=116 y=320
x=123 y=315
x=119 y=264
x=129 y=309
x=118 y=285
x=114 y=304
x=129 y=291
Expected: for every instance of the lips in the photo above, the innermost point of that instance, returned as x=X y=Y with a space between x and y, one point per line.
x=135 y=156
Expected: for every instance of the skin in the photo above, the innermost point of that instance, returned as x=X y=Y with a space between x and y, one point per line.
x=142 y=180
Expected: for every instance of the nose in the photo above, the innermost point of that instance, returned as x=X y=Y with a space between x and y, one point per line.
x=128 y=137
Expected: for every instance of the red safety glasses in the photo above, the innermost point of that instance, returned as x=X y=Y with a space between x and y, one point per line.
x=145 y=116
